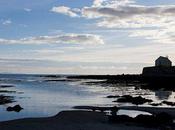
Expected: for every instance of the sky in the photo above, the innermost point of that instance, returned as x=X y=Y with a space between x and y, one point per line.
x=85 y=36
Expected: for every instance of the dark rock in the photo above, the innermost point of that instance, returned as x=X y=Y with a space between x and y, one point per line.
x=155 y=104
x=6 y=86
x=145 y=119
x=134 y=100
x=125 y=98
x=137 y=88
x=16 y=108
x=6 y=91
x=139 y=100
x=5 y=99
x=169 y=103
x=113 y=96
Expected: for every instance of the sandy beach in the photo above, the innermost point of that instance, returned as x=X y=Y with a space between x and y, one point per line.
x=69 y=120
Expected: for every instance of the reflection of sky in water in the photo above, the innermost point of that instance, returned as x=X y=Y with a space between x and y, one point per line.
x=48 y=98
x=162 y=95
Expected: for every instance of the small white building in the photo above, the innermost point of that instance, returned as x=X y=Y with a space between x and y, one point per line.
x=163 y=62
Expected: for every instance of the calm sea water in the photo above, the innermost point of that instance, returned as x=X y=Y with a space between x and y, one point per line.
x=42 y=98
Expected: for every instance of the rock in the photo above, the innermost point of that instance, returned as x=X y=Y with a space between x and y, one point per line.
x=5 y=99
x=113 y=96
x=169 y=103
x=134 y=100
x=145 y=119
x=137 y=88
x=155 y=104
x=139 y=100
x=16 y=108
x=125 y=98
x=6 y=86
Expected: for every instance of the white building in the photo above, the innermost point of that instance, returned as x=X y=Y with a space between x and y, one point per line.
x=163 y=62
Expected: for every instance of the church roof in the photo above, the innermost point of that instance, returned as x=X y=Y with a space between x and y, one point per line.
x=163 y=58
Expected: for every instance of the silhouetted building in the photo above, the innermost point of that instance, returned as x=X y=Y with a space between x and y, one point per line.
x=163 y=61
x=163 y=67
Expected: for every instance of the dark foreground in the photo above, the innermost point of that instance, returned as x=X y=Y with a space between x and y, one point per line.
x=71 y=120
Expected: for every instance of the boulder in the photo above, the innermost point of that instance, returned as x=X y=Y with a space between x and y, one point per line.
x=16 y=108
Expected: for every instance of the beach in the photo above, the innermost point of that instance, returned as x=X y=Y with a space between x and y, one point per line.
x=70 y=120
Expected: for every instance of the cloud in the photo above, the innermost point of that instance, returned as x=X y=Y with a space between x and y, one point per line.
x=65 y=10
x=128 y=14
x=67 y=38
x=158 y=35
x=111 y=3
x=27 y=9
x=98 y=2
x=7 y=22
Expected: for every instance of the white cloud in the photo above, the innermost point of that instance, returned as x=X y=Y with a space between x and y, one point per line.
x=129 y=14
x=67 y=38
x=7 y=22
x=66 y=11
x=27 y=9
x=159 y=18
x=111 y=3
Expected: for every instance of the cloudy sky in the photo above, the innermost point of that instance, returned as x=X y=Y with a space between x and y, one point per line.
x=85 y=36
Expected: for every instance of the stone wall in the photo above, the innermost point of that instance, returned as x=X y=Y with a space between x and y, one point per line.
x=159 y=71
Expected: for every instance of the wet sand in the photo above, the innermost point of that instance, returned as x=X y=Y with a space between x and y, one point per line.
x=69 y=120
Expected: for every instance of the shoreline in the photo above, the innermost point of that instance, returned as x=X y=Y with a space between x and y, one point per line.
x=70 y=120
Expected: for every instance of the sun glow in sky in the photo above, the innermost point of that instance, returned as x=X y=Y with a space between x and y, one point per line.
x=85 y=36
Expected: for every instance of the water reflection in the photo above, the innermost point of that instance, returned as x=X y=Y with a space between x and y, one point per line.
x=40 y=98
x=163 y=95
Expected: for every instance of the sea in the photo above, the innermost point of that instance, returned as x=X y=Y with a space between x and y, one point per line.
x=45 y=96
